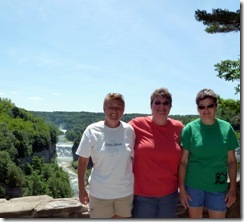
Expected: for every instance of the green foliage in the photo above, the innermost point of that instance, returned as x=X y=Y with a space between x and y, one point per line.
x=74 y=122
x=27 y=169
x=7 y=141
x=22 y=134
x=34 y=185
x=40 y=178
x=37 y=164
x=59 y=185
x=46 y=178
x=229 y=110
x=10 y=175
x=15 y=176
x=48 y=171
x=238 y=135
x=4 y=161
x=75 y=164
x=219 y=21
x=229 y=71
x=23 y=142
x=2 y=192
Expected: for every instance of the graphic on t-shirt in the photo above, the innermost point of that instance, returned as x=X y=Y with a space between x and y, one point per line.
x=220 y=178
x=113 y=146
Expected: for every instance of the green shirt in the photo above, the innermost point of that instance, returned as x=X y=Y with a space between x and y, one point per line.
x=208 y=147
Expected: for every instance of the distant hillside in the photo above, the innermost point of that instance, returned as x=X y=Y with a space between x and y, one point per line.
x=76 y=122
x=67 y=120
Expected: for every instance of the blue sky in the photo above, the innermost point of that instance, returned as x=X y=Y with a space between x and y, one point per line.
x=60 y=55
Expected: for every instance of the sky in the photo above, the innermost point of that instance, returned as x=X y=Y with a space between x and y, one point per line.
x=66 y=55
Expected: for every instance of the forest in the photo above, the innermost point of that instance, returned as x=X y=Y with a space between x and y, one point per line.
x=22 y=173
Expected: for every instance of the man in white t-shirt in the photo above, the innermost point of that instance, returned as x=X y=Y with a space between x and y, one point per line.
x=110 y=144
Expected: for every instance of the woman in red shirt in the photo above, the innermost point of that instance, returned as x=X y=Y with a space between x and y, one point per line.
x=156 y=159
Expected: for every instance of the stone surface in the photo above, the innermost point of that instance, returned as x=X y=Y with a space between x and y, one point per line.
x=47 y=207
x=42 y=207
x=62 y=207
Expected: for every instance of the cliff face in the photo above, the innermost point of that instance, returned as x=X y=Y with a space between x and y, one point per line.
x=47 y=207
x=48 y=154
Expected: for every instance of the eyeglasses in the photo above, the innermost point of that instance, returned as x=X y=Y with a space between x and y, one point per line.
x=159 y=103
x=209 y=106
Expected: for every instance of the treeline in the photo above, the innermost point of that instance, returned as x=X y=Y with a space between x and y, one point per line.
x=76 y=122
x=22 y=136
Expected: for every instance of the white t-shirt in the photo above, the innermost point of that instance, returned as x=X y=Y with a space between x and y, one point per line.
x=111 y=150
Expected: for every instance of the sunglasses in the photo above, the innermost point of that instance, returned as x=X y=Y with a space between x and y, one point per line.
x=159 y=103
x=209 y=106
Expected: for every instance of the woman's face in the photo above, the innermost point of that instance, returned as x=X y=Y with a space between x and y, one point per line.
x=113 y=111
x=207 y=109
x=160 y=107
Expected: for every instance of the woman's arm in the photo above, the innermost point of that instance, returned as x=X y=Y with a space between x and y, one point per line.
x=82 y=166
x=183 y=195
x=232 y=171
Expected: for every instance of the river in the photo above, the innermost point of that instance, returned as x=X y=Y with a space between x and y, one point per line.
x=64 y=159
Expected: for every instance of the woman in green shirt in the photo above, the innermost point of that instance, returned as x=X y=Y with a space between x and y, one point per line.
x=208 y=158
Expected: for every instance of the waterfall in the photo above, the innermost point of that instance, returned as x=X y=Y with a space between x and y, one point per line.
x=64 y=159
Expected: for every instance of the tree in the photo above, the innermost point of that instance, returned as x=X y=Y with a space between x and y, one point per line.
x=229 y=110
x=7 y=140
x=229 y=71
x=219 y=21
x=37 y=164
x=223 y=21
x=15 y=176
x=4 y=161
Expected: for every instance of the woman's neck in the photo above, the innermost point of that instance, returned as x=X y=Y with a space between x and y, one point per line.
x=111 y=124
x=208 y=121
x=159 y=121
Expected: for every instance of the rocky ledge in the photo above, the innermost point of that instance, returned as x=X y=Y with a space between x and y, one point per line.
x=42 y=207
x=47 y=207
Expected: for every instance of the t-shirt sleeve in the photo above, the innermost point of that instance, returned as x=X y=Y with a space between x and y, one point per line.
x=185 y=137
x=232 y=140
x=132 y=143
x=85 y=147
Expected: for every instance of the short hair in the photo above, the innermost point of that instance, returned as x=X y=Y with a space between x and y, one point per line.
x=114 y=96
x=164 y=92
x=206 y=93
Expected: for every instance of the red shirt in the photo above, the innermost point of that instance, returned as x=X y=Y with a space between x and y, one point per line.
x=157 y=156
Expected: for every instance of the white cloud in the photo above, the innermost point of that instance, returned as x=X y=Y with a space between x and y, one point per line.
x=35 y=98
x=56 y=94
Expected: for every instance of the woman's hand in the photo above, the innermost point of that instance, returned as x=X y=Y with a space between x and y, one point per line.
x=184 y=198
x=83 y=196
